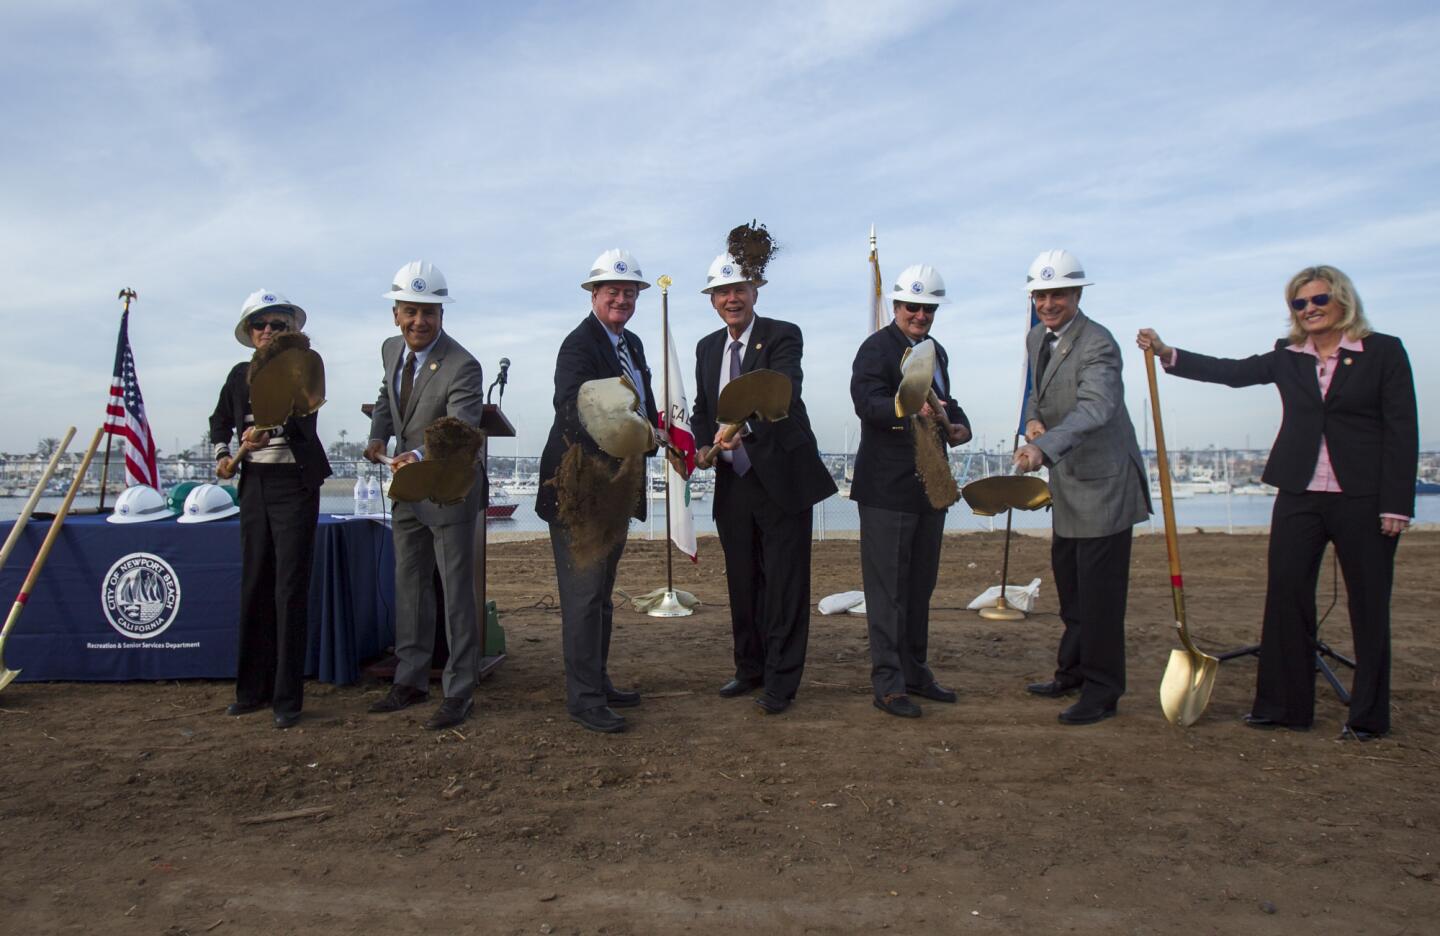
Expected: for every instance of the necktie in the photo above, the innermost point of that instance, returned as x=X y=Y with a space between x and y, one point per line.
x=407 y=383
x=738 y=459
x=622 y=350
x=1050 y=340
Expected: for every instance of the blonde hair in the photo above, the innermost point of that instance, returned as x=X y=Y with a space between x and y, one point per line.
x=1352 y=322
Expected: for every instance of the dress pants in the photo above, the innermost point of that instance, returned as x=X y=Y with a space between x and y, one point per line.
x=1092 y=576
x=900 y=561
x=586 y=619
x=418 y=550
x=767 y=569
x=1300 y=526
x=278 y=515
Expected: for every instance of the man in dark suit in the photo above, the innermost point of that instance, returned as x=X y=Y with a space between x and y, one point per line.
x=428 y=375
x=768 y=480
x=600 y=346
x=1077 y=425
x=900 y=532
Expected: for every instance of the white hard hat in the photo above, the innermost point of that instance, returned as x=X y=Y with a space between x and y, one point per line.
x=919 y=284
x=1055 y=269
x=615 y=266
x=208 y=502
x=724 y=271
x=140 y=504
x=418 y=281
x=260 y=300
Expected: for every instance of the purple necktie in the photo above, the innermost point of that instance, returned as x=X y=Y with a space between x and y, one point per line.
x=739 y=460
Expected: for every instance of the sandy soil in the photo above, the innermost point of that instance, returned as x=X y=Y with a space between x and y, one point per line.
x=133 y=808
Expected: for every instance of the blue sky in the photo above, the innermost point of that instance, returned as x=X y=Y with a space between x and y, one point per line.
x=1193 y=155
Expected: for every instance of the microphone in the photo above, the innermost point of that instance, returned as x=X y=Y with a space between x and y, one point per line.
x=501 y=379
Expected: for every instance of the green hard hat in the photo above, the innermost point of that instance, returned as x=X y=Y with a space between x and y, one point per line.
x=233 y=492
x=175 y=500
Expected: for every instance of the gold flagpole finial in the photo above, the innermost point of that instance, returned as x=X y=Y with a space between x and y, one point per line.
x=664 y=282
x=127 y=294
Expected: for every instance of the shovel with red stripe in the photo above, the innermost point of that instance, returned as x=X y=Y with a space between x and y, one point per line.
x=1190 y=675
x=7 y=675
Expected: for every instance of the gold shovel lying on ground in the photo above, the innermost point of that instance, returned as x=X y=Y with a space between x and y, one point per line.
x=1190 y=675
x=760 y=394
x=7 y=675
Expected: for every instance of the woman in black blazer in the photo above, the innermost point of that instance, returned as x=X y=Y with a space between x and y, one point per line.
x=280 y=477
x=1345 y=465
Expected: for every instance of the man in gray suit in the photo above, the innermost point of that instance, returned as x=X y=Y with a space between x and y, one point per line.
x=1077 y=425
x=428 y=375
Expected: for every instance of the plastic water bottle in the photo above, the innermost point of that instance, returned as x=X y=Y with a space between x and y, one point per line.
x=362 y=498
x=373 y=497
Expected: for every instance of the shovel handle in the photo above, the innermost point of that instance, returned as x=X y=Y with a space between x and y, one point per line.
x=51 y=536
x=727 y=432
x=29 y=507
x=1167 y=503
x=941 y=413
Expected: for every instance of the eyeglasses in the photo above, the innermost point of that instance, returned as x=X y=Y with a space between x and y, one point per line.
x=1320 y=302
x=275 y=325
x=915 y=308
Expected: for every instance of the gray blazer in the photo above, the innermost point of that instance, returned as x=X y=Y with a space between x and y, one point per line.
x=1097 y=477
x=450 y=384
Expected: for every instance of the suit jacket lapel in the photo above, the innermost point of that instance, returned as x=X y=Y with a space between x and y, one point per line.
x=1061 y=349
x=758 y=333
x=606 y=347
x=1346 y=362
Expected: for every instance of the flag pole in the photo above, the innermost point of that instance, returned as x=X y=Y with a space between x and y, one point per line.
x=126 y=295
x=669 y=604
x=877 y=304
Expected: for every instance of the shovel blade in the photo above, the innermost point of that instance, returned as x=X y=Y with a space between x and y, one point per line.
x=7 y=676
x=1186 y=686
x=762 y=393
x=917 y=373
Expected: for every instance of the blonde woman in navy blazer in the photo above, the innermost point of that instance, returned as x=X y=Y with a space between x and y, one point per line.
x=1345 y=465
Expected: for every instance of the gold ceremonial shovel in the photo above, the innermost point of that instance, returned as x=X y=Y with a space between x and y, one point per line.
x=292 y=383
x=7 y=675
x=917 y=383
x=760 y=394
x=987 y=497
x=1190 y=675
x=609 y=410
x=442 y=480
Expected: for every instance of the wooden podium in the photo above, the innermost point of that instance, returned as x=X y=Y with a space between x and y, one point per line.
x=494 y=424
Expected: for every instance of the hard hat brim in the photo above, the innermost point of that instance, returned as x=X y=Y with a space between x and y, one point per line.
x=165 y=514
x=230 y=511
x=711 y=287
x=1052 y=285
x=913 y=299
x=590 y=284
x=403 y=295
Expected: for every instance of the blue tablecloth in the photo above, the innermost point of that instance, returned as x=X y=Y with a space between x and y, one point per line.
x=161 y=600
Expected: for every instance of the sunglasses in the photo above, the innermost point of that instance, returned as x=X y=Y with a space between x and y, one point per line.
x=915 y=308
x=1320 y=302
x=275 y=325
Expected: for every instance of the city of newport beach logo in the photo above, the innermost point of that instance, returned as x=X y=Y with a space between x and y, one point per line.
x=140 y=595
x=417 y=285
x=620 y=266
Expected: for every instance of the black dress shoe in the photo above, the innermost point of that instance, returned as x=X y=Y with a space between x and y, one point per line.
x=451 y=713
x=245 y=708
x=738 y=687
x=398 y=698
x=899 y=705
x=1053 y=689
x=621 y=698
x=1087 y=713
x=1269 y=724
x=771 y=704
x=934 y=692
x=600 y=718
x=1360 y=734
x=287 y=720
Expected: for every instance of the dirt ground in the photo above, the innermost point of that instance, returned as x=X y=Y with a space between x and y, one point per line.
x=132 y=808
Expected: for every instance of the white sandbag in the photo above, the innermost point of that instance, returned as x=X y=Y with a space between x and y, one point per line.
x=1017 y=596
x=858 y=609
x=839 y=604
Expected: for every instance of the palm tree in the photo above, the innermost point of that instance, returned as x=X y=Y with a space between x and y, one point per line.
x=47 y=447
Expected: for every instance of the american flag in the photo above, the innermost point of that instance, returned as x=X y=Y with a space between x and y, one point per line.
x=125 y=414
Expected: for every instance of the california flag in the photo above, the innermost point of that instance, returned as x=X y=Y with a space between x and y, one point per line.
x=677 y=424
